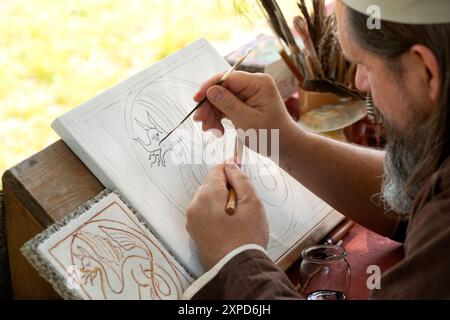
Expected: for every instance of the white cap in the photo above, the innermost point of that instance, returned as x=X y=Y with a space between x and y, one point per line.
x=405 y=11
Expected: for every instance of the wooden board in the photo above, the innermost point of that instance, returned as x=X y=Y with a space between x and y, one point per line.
x=52 y=183
x=38 y=192
x=20 y=227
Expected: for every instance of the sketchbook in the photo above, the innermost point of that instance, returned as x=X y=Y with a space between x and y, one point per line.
x=117 y=134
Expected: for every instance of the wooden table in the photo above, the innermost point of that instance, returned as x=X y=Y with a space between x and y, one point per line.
x=54 y=182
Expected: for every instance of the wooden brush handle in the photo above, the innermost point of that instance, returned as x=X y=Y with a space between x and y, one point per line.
x=230 y=207
x=287 y=60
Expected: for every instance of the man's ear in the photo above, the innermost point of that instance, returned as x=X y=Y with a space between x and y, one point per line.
x=427 y=60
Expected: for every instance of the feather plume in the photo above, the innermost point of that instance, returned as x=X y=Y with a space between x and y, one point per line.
x=322 y=58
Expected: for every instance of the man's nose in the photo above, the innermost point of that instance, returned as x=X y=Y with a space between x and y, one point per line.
x=361 y=79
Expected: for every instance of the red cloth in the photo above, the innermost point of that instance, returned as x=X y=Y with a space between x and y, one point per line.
x=292 y=106
x=365 y=248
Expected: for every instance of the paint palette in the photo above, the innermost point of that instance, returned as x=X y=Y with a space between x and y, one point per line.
x=332 y=117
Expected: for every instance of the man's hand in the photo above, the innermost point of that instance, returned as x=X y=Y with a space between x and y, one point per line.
x=217 y=233
x=249 y=100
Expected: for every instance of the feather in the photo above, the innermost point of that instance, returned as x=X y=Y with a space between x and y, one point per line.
x=304 y=10
x=278 y=22
x=301 y=27
x=319 y=19
x=281 y=29
x=322 y=58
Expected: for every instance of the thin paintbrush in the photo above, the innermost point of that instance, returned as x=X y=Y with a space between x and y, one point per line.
x=224 y=77
x=231 y=204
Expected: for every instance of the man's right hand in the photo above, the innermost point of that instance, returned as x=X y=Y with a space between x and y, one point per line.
x=249 y=100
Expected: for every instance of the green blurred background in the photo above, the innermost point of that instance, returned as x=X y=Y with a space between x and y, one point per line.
x=55 y=54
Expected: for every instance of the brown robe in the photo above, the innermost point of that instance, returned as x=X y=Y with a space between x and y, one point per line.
x=424 y=273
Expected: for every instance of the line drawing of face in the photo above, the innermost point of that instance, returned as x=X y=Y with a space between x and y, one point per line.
x=156 y=151
x=152 y=110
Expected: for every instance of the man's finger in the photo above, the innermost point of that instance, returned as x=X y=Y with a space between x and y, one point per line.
x=226 y=102
x=201 y=93
x=215 y=175
x=241 y=83
x=210 y=122
x=202 y=113
x=238 y=181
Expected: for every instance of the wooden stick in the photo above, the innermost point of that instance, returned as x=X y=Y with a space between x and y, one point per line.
x=341 y=68
x=230 y=208
x=287 y=60
x=290 y=63
x=339 y=232
x=296 y=57
x=302 y=30
x=349 y=77
x=231 y=204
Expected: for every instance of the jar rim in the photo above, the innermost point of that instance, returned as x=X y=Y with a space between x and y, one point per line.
x=338 y=254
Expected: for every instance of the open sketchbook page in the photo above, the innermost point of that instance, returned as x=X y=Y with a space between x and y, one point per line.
x=105 y=252
x=117 y=135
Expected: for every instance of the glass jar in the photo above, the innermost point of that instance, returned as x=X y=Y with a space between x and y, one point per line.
x=324 y=273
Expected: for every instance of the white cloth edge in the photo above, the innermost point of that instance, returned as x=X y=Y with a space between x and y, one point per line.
x=198 y=284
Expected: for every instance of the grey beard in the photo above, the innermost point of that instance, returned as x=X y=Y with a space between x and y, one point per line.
x=401 y=159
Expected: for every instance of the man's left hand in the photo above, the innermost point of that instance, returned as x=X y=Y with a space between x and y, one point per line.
x=214 y=231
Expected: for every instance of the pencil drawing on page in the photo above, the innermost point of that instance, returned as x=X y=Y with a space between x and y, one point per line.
x=275 y=191
x=156 y=151
x=161 y=113
x=154 y=110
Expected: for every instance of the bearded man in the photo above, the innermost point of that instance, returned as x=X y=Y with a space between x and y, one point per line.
x=405 y=65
